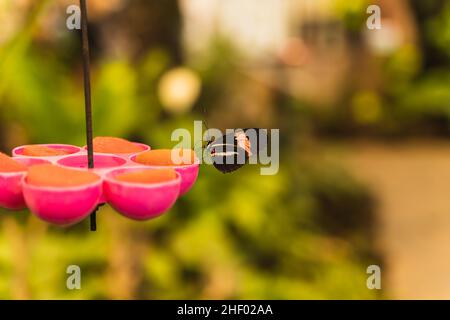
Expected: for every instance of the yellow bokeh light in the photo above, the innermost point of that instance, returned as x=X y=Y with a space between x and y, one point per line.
x=178 y=90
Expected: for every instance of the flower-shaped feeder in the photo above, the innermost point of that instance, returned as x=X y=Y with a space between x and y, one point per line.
x=103 y=173
x=66 y=205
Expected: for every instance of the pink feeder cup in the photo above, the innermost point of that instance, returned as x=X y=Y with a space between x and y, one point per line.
x=102 y=162
x=140 y=201
x=62 y=206
x=66 y=148
x=11 y=196
x=188 y=173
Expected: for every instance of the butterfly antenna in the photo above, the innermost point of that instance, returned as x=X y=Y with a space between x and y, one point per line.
x=205 y=124
x=205 y=115
x=200 y=149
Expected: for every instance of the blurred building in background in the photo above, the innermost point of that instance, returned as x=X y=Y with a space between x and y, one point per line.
x=304 y=47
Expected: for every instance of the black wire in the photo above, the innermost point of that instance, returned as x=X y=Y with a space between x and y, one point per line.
x=87 y=97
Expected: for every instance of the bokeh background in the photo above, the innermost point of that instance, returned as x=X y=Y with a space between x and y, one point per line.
x=365 y=157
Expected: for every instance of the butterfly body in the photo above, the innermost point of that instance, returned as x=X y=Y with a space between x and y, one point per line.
x=233 y=150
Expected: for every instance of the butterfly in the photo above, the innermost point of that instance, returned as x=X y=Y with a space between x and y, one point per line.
x=233 y=150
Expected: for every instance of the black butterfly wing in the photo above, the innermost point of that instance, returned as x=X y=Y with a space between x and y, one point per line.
x=226 y=155
x=227 y=168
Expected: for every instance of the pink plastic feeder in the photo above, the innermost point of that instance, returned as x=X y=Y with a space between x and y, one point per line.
x=31 y=161
x=189 y=173
x=11 y=196
x=140 y=201
x=62 y=206
x=19 y=151
x=103 y=162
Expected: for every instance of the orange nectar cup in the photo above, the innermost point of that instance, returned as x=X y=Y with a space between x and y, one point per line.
x=65 y=149
x=188 y=172
x=117 y=146
x=143 y=147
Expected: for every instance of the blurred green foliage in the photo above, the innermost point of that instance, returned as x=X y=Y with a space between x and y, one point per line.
x=256 y=238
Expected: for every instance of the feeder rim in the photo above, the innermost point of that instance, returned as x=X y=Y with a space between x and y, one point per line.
x=13 y=174
x=78 y=155
x=82 y=187
x=110 y=178
x=146 y=147
x=25 y=158
x=16 y=155
x=152 y=166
